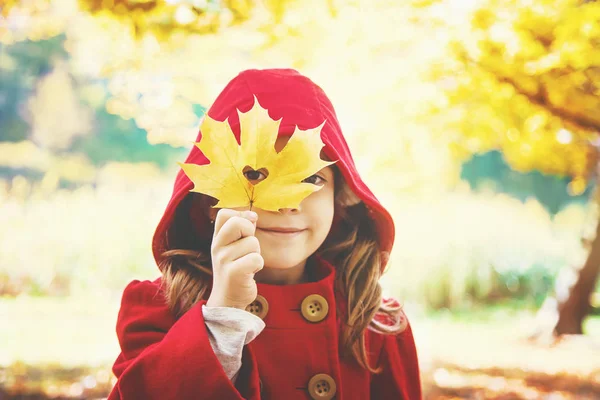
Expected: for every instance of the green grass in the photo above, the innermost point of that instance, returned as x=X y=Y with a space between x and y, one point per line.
x=481 y=313
x=591 y=326
x=66 y=331
x=501 y=313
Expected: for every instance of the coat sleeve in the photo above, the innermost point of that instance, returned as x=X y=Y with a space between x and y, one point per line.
x=164 y=358
x=400 y=376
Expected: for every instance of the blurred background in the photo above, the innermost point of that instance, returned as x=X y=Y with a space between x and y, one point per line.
x=477 y=122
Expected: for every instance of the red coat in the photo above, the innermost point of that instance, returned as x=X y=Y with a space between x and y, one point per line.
x=163 y=358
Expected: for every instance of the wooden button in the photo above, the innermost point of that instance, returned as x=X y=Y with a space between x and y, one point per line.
x=314 y=308
x=259 y=307
x=322 y=387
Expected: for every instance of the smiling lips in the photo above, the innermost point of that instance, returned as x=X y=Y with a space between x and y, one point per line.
x=284 y=232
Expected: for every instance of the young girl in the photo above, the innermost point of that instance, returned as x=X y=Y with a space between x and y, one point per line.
x=269 y=304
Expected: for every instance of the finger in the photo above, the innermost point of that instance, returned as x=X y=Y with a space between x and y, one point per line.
x=246 y=266
x=225 y=214
x=222 y=216
x=240 y=248
x=233 y=229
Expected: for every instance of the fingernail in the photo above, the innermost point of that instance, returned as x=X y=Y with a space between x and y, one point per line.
x=251 y=215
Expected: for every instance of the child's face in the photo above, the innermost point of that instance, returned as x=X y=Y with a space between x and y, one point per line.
x=311 y=222
x=312 y=219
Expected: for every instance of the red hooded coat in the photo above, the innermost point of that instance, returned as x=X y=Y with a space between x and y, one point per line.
x=164 y=357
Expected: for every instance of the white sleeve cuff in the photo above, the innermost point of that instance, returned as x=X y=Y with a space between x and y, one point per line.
x=229 y=330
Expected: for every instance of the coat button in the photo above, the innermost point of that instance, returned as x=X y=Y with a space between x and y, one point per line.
x=314 y=308
x=321 y=387
x=259 y=307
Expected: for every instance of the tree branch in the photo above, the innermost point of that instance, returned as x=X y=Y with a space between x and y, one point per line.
x=541 y=99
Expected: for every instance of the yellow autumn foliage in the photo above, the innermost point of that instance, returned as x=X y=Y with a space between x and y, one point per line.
x=284 y=171
x=526 y=81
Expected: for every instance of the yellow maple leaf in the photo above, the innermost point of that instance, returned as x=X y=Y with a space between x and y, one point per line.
x=225 y=177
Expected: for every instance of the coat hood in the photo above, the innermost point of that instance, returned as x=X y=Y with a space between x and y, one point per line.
x=286 y=94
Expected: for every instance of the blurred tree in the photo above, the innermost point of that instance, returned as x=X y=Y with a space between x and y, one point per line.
x=21 y=65
x=164 y=17
x=36 y=90
x=526 y=80
x=117 y=139
x=490 y=171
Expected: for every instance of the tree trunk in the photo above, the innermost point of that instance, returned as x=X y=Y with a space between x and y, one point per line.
x=574 y=308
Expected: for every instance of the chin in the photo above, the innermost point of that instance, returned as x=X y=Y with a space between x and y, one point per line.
x=281 y=262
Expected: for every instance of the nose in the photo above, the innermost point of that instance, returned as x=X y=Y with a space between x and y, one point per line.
x=288 y=210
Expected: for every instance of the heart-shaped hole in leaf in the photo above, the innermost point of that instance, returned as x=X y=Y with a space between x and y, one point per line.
x=255 y=176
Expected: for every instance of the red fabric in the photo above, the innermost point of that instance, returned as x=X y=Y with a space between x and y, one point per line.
x=299 y=101
x=163 y=358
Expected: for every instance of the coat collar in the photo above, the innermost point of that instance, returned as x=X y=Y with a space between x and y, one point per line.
x=285 y=301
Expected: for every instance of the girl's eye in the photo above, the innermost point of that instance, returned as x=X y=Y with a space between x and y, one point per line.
x=315 y=180
x=254 y=175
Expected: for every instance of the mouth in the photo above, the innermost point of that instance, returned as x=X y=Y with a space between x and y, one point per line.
x=282 y=232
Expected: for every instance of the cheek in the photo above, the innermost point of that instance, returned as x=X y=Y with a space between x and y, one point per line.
x=329 y=217
x=322 y=211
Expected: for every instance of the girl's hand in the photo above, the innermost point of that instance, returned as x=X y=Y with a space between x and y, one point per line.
x=235 y=259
